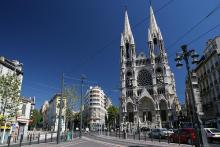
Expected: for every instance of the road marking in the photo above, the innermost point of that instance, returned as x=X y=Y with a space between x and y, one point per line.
x=75 y=143
x=104 y=143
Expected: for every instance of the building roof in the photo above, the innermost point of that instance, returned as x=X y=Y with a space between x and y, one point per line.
x=13 y=65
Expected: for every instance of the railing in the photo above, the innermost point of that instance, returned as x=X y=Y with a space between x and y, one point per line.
x=37 y=138
x=147 y=136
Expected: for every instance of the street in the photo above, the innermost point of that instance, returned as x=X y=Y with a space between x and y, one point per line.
x=84 y=142
x=104 y=141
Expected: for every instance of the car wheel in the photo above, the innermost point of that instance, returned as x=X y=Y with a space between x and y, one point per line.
x=189 y=141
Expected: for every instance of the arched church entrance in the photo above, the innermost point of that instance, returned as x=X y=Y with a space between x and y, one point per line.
x=146 y=110
x=130 y=113
x=163 y=110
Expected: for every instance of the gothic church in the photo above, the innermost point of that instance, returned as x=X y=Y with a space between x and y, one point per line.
x=148 y=93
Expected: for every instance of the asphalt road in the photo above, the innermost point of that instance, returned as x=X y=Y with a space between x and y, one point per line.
x=89 y=140
x=84 y=142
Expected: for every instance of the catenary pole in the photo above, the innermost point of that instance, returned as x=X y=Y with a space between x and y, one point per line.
x=60 y=110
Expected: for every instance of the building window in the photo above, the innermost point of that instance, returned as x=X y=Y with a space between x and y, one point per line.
x=23 y=109
x=144 y=78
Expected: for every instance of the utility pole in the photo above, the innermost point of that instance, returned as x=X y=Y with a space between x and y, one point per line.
x=81 y=103
x=185 y=55
x=60 y=111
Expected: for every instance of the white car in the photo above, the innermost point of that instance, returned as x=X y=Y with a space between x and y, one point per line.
x=213 y=134
x=158 y=132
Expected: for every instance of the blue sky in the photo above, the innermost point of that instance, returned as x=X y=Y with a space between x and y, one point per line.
x=83 y=36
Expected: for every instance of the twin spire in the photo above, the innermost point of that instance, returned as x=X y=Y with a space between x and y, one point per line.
x=153 y=30
x=127 y=35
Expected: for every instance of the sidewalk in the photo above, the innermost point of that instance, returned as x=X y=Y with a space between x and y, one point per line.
x=142 y=142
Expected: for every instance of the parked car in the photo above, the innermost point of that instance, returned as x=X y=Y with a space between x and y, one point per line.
x=145 y=129
x=213 y=134
x=185 y=135
x=168 y=132
x=158 y=132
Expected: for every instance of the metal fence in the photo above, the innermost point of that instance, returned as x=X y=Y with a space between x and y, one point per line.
x=37 y=138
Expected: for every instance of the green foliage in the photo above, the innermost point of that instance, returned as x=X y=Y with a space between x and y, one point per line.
x=71 y=99
x=37 y=119
x=112 y=114
x=9 y=95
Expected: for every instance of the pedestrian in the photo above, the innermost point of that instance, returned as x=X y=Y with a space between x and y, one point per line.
x=14 y=136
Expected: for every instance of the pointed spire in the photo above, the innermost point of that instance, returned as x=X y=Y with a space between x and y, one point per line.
x=153 y=23
x=127 y=30
x=149 y=36
x=122 y=40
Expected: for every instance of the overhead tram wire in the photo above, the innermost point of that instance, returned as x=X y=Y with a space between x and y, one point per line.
x=194 y=26
x=115 y=39
x=77 y=79
x=198 y=37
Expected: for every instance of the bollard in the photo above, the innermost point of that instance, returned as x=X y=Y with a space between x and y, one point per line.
x=159 y=138
x=151 y=136
x=116 y=133
x=46 y=138
x=119 y=134
x=51 y=139
x=38 y=139
x=139 y=135
x=9 y=140
x=168 y=139
x=134 y=135
x=145 y=136
x=30 y=137
x=21 y=139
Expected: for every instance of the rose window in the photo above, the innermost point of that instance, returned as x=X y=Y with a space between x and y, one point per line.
x=144 y=78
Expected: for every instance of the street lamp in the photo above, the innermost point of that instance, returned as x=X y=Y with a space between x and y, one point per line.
x=185 y=55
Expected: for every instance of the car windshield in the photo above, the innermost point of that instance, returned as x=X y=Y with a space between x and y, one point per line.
x=215 y=130
x=163 y=129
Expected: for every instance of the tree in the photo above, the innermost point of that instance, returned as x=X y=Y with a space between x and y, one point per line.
x=113 y=112
x=37 y=119
x=9 y=96
x=76 y=119
x=71 y=98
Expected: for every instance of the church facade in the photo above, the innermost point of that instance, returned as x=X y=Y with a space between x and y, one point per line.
x=148 y=92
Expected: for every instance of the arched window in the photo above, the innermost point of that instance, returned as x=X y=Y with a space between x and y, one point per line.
x=127 y=50
x=159 y=76
x=144 y=78
x=129 y=79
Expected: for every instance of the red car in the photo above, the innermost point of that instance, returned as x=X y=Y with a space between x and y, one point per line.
x=185 y=135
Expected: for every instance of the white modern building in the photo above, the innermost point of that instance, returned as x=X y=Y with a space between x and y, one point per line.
x=53 y=113
x=10 y=67
x=208 y=74
x=24 y=114
x=95 y=107
x=148 y=90
x=44 y=111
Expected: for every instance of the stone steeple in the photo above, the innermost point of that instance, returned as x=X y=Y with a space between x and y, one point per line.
x=128 y=35
x=155 y=39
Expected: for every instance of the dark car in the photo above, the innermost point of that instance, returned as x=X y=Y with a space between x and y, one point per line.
x=185 y=135
x=145 y=129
